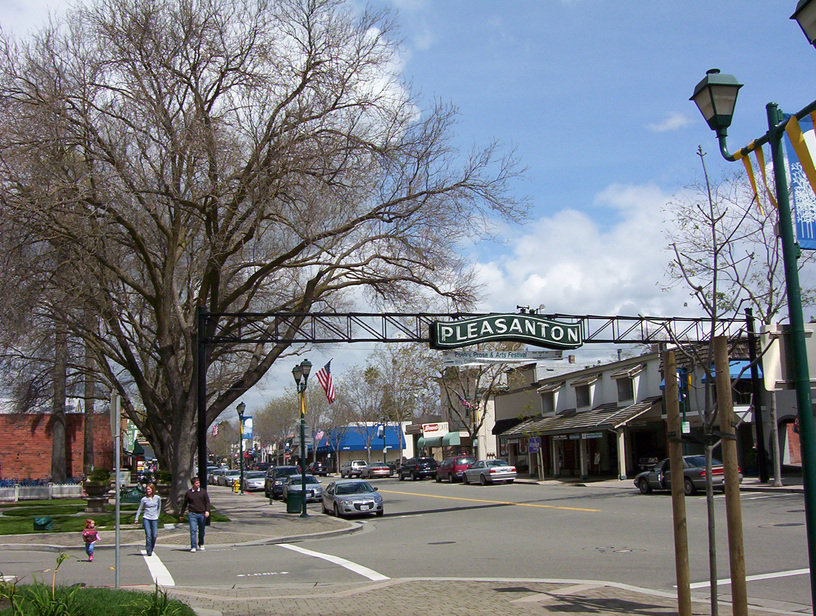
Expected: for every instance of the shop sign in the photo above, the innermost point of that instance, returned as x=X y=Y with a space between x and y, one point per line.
x=559 y=437
x=575 y=437
x=534 y=444
x=526 y=328
x=589 y=435
x=434 y=429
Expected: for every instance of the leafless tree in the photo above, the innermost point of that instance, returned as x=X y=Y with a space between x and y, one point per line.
x=233 y=156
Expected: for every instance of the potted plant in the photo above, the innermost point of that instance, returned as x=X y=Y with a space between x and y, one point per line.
x=98 y=482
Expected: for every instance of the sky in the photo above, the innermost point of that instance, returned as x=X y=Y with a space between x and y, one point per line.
x=593 y=97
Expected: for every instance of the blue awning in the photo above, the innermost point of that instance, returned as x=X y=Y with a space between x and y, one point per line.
x=738 y=369
x=356 y=438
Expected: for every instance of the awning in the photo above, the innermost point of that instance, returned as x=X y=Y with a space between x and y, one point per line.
x=606 y=417
x=451 y=438
x=738 y=369
x=502 y=425
x=429 y=441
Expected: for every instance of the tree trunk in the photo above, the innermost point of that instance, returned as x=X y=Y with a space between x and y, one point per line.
x=88 y=432
x=58 y=471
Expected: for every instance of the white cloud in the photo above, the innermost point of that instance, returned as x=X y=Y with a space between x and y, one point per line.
x=673 y=121
x=571 y=264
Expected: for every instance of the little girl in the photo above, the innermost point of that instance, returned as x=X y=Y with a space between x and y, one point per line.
x=90 y=536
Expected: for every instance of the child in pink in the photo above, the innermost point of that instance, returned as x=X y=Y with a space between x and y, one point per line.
x=90 y=536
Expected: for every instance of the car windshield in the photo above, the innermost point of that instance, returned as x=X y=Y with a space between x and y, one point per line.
x=285 y=472
x=297 y=480
x=699 y=461
x=426 y=460
x=360 y=487
x=465 y=460
x=232 y=473
x=254 y=474
x=497 y=463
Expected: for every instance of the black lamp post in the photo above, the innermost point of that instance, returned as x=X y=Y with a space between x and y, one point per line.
x=716 y=97
x=241 y=407
x=301 y=376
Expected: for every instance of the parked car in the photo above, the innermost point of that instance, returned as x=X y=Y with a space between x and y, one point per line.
x=490 y=471
x=453 y=468
x=694 y=475
x=254 y=480
x=318 y=468
x=351 y=497
x=418 y=468
x=294 y=485
x=212 y=477
x=352 y=468
x=228 y=477
x=376 y=469
x=276 y=477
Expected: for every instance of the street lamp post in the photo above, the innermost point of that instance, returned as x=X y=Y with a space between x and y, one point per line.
x=301 y=376
x=716 y=96
x=241 y=407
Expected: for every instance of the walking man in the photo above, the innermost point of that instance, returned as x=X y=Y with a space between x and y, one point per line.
x=198 y=502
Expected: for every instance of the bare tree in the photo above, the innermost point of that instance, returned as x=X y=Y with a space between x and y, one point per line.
x=232 y=156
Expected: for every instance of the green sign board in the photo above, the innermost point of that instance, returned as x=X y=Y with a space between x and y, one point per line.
x=527 y=328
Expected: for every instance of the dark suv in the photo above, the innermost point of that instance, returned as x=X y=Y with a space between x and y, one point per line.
x=453 y=468
x=276 y=477
x=418 y=468
x=318 y=468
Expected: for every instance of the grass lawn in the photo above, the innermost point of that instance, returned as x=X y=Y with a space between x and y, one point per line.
x=69 y=515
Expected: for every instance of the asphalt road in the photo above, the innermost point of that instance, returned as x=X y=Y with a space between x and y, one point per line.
x=518 y=532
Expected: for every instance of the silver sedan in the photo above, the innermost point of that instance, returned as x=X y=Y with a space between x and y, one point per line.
x=294 y=486
x=489 y=471
x=352 y=497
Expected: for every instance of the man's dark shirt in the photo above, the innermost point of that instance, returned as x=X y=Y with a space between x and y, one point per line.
x=198 y=500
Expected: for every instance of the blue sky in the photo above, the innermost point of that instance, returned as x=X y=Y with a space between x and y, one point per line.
x=593 y=95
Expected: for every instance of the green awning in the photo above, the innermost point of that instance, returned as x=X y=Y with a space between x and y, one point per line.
x=451 y=438
x=429 y=441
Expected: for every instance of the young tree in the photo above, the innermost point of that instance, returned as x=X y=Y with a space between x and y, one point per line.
x=232 y=156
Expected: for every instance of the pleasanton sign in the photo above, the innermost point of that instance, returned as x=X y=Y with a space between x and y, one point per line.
x=526 y=328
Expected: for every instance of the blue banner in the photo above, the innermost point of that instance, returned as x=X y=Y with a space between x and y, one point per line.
x=246 y=428
x=803 y=201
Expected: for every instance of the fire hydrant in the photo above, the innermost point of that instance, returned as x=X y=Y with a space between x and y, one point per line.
x=236 y=485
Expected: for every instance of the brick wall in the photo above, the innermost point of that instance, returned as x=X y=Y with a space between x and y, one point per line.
x=25 y=446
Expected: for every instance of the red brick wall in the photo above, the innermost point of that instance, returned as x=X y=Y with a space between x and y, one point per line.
x=25 y=445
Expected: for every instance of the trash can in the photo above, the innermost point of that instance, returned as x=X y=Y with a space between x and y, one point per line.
x=294 y=503
x=43 y=523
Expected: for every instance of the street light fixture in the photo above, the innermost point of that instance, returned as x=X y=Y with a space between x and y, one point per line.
x=805 y=16
x=716 y=96
x=301 y=376
x=241 y=408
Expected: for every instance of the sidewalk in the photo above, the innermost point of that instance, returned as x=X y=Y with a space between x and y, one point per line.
x=256 y=521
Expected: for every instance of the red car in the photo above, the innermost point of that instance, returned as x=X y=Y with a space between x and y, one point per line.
x=453 y=468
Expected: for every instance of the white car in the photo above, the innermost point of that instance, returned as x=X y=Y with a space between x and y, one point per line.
x=489 y=471
x=254 y=480
x=352 y=497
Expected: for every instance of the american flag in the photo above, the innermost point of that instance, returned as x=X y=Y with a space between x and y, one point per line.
x=324 y=376
x=465 y=403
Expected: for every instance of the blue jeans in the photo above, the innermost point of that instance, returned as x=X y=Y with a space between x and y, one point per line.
x=89 y=548
x=197 y=526
x=151 y=528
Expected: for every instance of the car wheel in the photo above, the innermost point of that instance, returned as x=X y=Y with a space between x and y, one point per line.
x=438 y=478
x=510 y=480
x=401 y=477
x=380 y=514
x=643 y=486
x=337 y=511
x=483 y=480
x=465 y=479
x=688 y=487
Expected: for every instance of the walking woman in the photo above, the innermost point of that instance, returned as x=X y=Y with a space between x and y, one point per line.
x=151 y=504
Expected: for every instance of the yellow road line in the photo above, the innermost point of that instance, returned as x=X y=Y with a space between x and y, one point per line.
x=493 y=502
